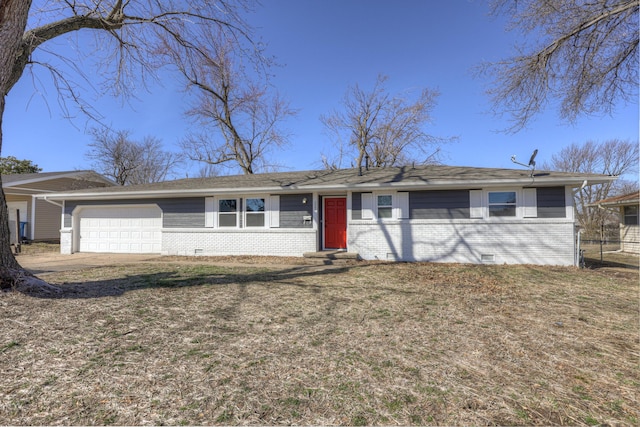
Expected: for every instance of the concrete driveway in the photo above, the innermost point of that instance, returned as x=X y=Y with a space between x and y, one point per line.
x=51 y=262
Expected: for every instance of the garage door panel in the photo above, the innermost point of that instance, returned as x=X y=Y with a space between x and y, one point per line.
x=133 y=229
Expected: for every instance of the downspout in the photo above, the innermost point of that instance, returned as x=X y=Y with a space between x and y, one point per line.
x=578 y=253
x=584 y=184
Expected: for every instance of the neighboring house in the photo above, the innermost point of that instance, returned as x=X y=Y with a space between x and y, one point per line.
x=42 y=219
x=627 y=207
x=426 y=213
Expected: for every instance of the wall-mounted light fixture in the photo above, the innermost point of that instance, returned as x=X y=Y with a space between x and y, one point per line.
x=304 y=200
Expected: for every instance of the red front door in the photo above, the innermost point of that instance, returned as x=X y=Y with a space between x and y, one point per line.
x=335 y=223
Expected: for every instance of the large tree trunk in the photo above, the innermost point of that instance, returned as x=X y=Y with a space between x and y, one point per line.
x=13 y=21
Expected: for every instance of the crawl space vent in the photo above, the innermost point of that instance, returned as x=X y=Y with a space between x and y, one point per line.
x=488 y=258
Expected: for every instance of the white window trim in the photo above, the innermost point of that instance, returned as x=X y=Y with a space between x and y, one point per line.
x=271 y=211
x=517 y=205
x=399 y=205
x=377 y=206
x=526 y=203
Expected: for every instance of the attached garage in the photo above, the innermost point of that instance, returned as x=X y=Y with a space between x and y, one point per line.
x=119 y=229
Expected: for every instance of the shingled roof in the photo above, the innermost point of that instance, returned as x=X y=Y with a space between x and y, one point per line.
x=623 y=200
x=407 y=177
x=12 y=180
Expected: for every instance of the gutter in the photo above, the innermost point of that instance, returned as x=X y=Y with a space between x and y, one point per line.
x=45 y=198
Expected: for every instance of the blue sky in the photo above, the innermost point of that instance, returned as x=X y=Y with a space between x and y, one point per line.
x=324 y=47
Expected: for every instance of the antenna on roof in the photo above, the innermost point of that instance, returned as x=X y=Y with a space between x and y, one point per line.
x=532 y=161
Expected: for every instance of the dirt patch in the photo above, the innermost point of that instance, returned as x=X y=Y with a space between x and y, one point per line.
x=168 y=342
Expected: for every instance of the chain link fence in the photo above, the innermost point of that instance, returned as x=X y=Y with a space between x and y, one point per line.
x=605 y=246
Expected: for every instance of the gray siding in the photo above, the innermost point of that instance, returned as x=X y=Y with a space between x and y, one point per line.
x=551 y=202
x=292 y=210
x=439 y=204
x=176 y=213
x=182 y=213
x=66 y=218
x=47 y=223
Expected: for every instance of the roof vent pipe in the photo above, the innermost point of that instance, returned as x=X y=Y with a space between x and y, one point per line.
x=366 y=161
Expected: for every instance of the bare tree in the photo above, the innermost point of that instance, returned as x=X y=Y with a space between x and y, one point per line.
x=126 y=161
x=585 y=55
x=388 y=130
x=613 y=157
x=156 y=164
x=128 y=35
x=242 y=118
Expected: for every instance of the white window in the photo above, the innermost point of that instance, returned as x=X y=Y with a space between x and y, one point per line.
x=502 y=203
x=630 y=215
x=385 y=206
x=254 y=212
x=228 y=212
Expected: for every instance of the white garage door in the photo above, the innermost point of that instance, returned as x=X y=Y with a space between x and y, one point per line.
x=126 y=229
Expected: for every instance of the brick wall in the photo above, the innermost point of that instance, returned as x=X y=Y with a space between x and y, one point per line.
x=66 y=239
x=277 y=242
x=466 y=241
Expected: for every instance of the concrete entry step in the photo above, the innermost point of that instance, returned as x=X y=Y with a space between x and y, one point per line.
x=330 y=256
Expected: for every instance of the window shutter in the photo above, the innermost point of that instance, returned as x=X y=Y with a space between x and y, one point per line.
x=402 y=205
x=367 y=205
x=475 y=204
x=530 y=203
x=274 y=211
x=209 y=215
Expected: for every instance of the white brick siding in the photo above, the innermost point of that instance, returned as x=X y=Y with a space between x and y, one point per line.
x=280 y=242
x=66 y=241
x=547 y=242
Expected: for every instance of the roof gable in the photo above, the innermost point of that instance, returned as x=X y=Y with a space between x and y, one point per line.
x=31 y=183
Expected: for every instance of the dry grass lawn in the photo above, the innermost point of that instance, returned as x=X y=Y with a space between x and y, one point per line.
x=368 y=343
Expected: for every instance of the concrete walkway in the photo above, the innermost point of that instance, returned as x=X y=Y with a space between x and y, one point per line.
x=52 y=262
